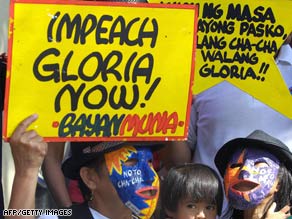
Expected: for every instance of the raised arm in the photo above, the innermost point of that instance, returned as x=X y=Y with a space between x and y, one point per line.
x=28 y=151
x=54 y=176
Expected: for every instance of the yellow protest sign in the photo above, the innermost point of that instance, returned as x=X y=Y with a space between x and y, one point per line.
x=97 y=70
x=237 y=42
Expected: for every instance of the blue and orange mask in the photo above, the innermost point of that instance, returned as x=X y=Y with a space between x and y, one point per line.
x=134 y=178
x=250 y=176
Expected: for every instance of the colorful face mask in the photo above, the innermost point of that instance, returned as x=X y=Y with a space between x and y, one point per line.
x=250 y=176
x=134 y=178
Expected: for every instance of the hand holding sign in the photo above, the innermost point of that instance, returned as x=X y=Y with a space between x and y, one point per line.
x=28 y=148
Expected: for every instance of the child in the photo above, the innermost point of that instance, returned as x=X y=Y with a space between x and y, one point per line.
x=192 y=191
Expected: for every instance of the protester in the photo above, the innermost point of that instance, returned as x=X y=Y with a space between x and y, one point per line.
x=67 y=191
x=118 y=177
x=224 y=112
x=192 y=191
x=257 y=173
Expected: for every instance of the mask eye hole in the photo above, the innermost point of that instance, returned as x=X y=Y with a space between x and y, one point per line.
x=131 y=162
x=150 y=163
x=235 y=165
x=260 y=164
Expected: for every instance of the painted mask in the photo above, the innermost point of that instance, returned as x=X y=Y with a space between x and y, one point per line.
x=134 y=178
x=250 y=176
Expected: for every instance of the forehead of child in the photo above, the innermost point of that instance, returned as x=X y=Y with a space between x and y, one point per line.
x=189 y=203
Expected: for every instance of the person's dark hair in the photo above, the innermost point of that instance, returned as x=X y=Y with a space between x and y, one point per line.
x=195 y=181
x=284 y=194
